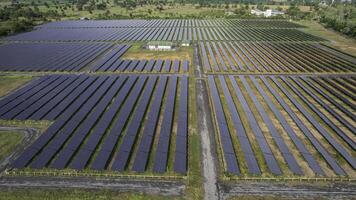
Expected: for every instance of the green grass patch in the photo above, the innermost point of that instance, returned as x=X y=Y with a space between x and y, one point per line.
x=337 y=40
x=73 y=194
x=8 y=83
x=8 y=141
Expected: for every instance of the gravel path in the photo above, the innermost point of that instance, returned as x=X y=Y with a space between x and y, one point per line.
x=30 y=134
x=206 y=134
x=165 y=188
x=311 y=190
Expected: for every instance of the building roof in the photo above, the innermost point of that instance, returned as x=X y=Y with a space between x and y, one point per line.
x=160 y=43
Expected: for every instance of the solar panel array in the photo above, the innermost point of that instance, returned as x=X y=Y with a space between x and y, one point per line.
x=111 y=62
x=282 y=125
x=171 y=23
x=273 y=57
x=49 y=57
x=164 y=34
x=106 y=122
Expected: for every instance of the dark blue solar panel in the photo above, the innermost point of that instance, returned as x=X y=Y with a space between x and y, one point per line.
x=333 y=164
x=48 y=56
x=300 y=146
x=349 y=158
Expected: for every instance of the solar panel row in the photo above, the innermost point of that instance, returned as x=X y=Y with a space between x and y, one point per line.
x=331 y=124
x=240 y=131
x=313 y=164
x=49 y=56
x=171 y=23
x=161 y=158
x=104 y=121
x=338 y=147
x=335 y=103
x=164 y=34
x=273 y=57
x=181 y=150
x=265 y=133
x=261 y=140
x=285 y=151
x=115 y=64
x=305 y=130
x=225 y=138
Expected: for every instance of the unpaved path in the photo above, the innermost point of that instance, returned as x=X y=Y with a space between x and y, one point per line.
x=165 y=188
x=311 y=190
x=30 y=134
x=206 y=133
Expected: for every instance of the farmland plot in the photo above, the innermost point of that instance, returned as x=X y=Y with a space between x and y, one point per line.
x=285 y=126
x=118 y=123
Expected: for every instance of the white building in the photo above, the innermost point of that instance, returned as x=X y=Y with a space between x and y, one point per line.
x=267 y=13
x=271 y=13
x=185 y=43
x=257 y=12
x=160 y=45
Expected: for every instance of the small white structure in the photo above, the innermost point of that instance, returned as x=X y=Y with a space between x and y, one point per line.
x=160 y=45
x=257 y=12
x=272 y=13
x=267 y=13
x=185 y=43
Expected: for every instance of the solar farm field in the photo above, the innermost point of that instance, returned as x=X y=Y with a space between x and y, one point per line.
x=117 y=123
x=49 y=56
x=223 y=102
x=285 y=125
x=164 y=34
x=267 y=57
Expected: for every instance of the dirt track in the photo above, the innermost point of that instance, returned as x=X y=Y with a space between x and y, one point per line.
x=30 y=134
x=165 y=188
x=298 y=190
x=206 y=134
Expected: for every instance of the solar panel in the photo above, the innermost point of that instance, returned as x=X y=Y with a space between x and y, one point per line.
x=48 y=56
x=332 y=163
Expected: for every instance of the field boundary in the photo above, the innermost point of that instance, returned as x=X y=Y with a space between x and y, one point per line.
x=101 y=175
